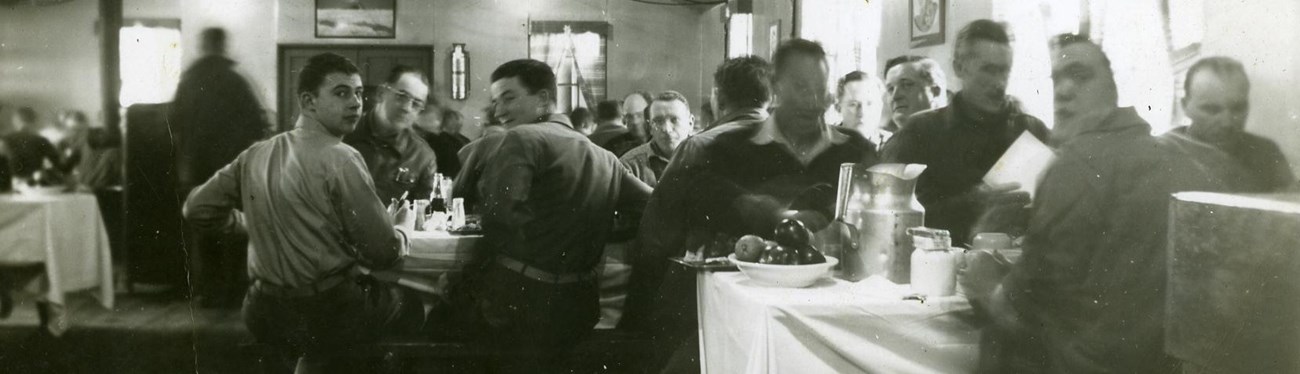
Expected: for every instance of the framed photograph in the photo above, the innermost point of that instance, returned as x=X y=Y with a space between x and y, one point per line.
x=928 y=21
x=773 y=37
x=374 y=19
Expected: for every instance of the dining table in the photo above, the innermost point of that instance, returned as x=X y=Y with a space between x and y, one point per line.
x=833 y=326
x=65 y=235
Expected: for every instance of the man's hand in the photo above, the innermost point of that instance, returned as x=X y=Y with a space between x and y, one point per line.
x=1000 y=208
x=999 y=195
x=983 y=272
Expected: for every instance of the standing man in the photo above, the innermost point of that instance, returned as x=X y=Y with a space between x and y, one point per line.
x=742 y=88
x=912 y=86
x=313 y=217
x=962 y=141
x=671 y=123
x=1218 y=103
x=399 y=161
x=634 y=105
x=858 y=99
x=549 y=197
x=738 y=180
x=1089 y=293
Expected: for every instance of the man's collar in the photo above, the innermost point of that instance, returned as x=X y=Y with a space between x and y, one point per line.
x=740 y=115
x=657 y=151
x=976 y=116
x=312 y=126
x=769 y=133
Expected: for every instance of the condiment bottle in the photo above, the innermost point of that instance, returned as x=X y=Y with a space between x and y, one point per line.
x=934 y=263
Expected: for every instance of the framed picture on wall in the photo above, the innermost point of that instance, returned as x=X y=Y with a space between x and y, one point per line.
x=773 y=38
x=928 y=21
x=376 y=19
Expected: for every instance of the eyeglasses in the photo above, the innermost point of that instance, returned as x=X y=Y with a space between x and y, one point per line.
x=405 y=98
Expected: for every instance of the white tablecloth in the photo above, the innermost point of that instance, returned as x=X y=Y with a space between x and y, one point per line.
x=433 y=255
x=64 y=232
x=833 y=327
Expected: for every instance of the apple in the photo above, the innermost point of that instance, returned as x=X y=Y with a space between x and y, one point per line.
x=750 y=248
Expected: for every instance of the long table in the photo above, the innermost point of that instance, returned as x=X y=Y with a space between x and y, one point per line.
x=433 y=256
x=834 y=326
x=65 y=234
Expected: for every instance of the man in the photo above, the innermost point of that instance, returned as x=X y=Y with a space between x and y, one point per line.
x=962 y=141
x=313 y=217
x=1218 y=102
x=611 y=133
x=858 y=100
x=446 y=141
x=28 y=152
x=670 y=124
x=549 y=197
x=1088 y=295
x=633 y=107
x=399 y=161
x=913 y=86
x=736 y=180
x=742 y=88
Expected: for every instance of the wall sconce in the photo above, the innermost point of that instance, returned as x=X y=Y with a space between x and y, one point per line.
x=459 y=72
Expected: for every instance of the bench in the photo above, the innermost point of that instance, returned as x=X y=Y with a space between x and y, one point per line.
x=602 y=351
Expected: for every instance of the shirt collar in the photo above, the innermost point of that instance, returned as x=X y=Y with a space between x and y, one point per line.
x=741 y=115
x=768 y=133
x=310 y=125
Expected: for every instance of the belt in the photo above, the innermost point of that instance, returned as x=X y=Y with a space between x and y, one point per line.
x=313 y=289
x=543 y=275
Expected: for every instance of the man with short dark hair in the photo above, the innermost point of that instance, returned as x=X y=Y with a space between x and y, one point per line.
x=913 y=86
x=858 y=99
x=28 y=151
x=611 y=132
x=401 y=163
x=1218 y=103
x=742 y=88
x=445 y=139
x=962 y=141
x=1088 y=295
x=736 y=180
x=548 y=200
x=312 y=217
x=671 y=123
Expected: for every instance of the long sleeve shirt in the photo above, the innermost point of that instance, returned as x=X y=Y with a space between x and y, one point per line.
x=1259 y=162
x=309 y=206
x=1091 y=283
x=549 y=196
x=959 y=145
x=401 y=163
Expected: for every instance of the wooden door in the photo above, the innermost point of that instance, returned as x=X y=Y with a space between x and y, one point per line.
x=374 y=62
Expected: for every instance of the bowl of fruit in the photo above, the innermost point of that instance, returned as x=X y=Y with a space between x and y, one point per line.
x=789 y=260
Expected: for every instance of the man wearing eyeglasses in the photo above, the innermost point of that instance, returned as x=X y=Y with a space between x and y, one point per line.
x=398 y=160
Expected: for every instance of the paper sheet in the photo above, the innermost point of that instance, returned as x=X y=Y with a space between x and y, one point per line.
x=1024 y=163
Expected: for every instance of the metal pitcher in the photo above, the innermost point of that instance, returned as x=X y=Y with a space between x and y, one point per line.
x=879 y=204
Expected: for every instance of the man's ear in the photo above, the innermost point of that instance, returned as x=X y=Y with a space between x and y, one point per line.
x=306 y=100
x=548 y=96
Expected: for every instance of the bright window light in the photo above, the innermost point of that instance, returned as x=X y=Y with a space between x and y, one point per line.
x=740 y=35
x=150 y=63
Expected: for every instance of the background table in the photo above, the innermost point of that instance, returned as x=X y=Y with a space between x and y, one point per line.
x=832 y=327
x=66 y=233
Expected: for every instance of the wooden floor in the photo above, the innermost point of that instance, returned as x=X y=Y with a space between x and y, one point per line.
x=144 y=333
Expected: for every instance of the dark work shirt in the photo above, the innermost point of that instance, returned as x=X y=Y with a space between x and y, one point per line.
x=743 y=116
x=28 y=153
x=215 y=115
x=959 y=145
x=1090 y=288
x=614 y=138
x=1260 y=163
x=549 y=197
x=646 y=163
x=445 y=146
x=309 y=205
x=400 y=163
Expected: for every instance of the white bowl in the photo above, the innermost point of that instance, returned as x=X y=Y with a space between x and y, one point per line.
x=787 y=276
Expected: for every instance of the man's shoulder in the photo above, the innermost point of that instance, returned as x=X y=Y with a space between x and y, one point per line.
x=637 y=155
x=1258 y=143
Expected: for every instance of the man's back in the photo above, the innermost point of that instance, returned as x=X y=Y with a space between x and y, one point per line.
x=549 y=197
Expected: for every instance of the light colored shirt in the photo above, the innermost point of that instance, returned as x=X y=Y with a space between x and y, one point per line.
x=309 y=204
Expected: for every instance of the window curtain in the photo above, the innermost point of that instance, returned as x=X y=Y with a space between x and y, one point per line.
x=849 y=30
x=564 y=45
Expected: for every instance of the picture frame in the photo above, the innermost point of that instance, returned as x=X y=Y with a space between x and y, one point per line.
x=773 y=38
x=356 y=19
x=928 y=20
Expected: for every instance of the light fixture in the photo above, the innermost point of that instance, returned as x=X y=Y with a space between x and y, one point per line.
x=459 y=72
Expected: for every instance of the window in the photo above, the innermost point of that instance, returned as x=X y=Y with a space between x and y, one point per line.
x=576 y=51
x=150 y=53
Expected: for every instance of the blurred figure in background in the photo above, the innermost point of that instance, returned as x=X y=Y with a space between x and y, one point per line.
x=612 y=132
x=858 y=99
x=448 y=141
x=29 y=152
x=742 y=89
x=633 y=106
x=582 y=121
x=214 y=116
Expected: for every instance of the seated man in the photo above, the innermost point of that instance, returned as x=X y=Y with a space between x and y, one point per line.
x=313 y=218
x=858 y=99
x=399 y=161
x=611 y=133
x=736 y=180
x=28 y=151
x=742 y=88
x=671 y=123
x=1218 y=102
x=1089 y=293
x=962 y=141
x=549 y=197
x=447 y=140
x=913 y=85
